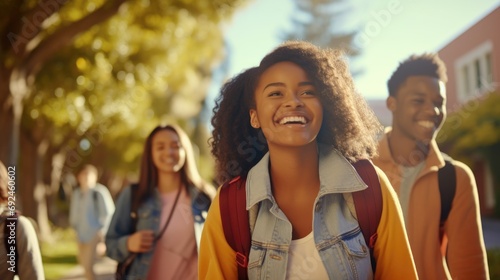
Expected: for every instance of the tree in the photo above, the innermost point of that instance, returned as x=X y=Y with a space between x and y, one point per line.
x=474 y=131
x=322 y=22
x=93 y=71
x=28 y=41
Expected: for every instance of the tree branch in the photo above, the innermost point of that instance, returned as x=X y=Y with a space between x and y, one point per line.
x=65 y=36
x=22 y=28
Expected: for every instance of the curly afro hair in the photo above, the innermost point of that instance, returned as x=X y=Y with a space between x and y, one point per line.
x=349 y=125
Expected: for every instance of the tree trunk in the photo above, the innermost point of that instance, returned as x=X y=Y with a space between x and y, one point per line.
x=40 y=193
x=26 y=177
x=6 y=121
x=58 y=210
x=6 y=117
x=31 y=184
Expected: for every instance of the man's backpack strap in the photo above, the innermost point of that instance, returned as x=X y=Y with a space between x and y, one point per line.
x=447 y=186
x=234 y=216
x=95 y=197
x=368 y=204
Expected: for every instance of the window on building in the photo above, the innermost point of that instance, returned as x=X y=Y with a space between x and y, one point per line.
x=465 y=78
x=474 y=72
x=477 y=72
x=489 y=70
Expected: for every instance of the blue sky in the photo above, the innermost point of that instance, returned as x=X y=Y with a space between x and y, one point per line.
x=391 y=30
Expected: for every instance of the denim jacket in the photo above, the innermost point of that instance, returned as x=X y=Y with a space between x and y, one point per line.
x=149 y=214
x=337 y=235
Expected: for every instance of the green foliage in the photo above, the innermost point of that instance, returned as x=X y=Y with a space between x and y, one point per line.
x=60 y=256
x=474 y=130
x=494 y=263
x=150 y=63
x=475 y=127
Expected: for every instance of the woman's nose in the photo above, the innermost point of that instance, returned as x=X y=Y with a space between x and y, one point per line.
x=294 y=101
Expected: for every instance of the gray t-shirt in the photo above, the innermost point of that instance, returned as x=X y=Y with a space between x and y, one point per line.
x=408 y=176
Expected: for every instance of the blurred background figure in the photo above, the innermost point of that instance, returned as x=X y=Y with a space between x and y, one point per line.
x=27 y=260
x=158 y=222
x=90 y=213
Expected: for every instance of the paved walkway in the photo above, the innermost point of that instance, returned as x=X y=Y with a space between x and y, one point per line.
x=491 y=233
x=105 y=268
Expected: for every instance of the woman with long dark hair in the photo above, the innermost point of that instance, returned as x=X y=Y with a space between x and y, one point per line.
x=159 y=220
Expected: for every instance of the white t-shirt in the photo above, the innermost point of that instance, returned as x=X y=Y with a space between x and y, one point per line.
x=304 y=261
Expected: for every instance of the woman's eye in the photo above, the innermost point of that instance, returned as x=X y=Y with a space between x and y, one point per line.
x=418 y=101
x=308 y=92
x=274 y=93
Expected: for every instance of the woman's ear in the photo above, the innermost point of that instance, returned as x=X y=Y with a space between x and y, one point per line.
x=391 y=103
x=254 y=121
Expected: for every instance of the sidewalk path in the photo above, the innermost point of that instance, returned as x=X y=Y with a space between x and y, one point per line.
x=104 y=268
x=491 y=233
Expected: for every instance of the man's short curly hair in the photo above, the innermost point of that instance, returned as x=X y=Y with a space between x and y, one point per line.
x=427 y=64
x=349 y=125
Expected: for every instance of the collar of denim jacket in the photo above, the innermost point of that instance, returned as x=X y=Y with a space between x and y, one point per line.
x=336 y=175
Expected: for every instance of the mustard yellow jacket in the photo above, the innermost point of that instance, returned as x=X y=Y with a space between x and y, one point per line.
x=392 y=251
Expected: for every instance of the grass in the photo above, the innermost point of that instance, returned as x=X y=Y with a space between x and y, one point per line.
x=59 y=256
x=494 y=263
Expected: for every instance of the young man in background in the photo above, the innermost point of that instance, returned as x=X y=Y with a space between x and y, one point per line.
x=409 y=155
x=91 y=210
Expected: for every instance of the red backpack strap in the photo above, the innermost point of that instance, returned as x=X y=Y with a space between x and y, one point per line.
x=368 y=204
x=234 y=216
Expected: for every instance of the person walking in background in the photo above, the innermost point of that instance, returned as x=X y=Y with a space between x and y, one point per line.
x=293 y=126
x=409 y=155
x=91 y=210
x=19 y=248
x=159 y=220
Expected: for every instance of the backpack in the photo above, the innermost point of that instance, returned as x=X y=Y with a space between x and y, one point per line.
x=235 y=221
x=96 y=201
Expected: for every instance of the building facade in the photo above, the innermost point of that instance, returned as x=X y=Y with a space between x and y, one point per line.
x=473 y=63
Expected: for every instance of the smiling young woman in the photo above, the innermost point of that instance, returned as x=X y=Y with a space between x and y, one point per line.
x=292 y=127
x=159 y=220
